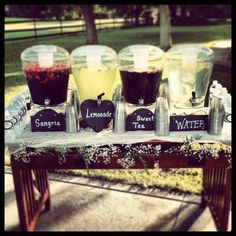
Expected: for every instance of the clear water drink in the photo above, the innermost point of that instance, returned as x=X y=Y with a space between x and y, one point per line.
x=26 y=95
x=71 y=121
x=215 y=91
x=19 y=99
x=228 y=106
x=216 y=116
x=189 y=67
x=162 y=117
x=9 y=127
x=119 y=121
x=212 y=87
x=13 y=108
x=224 y=91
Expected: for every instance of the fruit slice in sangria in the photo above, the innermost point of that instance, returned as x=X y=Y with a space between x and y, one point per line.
x=47 y=83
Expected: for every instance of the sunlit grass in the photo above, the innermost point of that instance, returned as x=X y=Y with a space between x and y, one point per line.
x=42 y=24
x=181 y=180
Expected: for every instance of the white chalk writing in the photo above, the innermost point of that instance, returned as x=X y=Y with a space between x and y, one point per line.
x=190 y=124
x=47 y=124
x=97 y=115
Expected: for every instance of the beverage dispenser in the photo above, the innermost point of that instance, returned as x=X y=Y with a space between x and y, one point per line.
x=94 y=69
x=189 y=67
x=46 y=68
x=141 y=71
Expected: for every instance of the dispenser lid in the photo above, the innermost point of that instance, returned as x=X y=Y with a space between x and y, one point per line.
x=44 y=52
x=93 y=55
x=182 y=50
x=133 y=52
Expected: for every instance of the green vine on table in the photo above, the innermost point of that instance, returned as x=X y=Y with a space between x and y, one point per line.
x=193 y=149
x=126 y=155
x=22 y=153
x=59 y=150
x=136 y=151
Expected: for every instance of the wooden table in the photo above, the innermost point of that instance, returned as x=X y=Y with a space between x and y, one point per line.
x=31 y=172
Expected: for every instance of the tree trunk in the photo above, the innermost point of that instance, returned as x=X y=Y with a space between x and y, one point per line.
x=136 y=17
x=165 y=35
x=91 y=33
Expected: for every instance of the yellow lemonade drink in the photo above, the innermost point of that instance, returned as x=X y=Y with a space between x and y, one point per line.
x=94 y=69
x=91 y=82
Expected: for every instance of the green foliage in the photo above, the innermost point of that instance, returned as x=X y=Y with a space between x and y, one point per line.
x=45 y=11
x=197 y=12
x=11 y=19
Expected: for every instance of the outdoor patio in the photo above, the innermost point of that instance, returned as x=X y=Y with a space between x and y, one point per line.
x=141 y=161
x=94 y=205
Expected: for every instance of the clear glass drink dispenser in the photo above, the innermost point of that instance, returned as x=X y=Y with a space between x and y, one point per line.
x=189 y=67
x=141 y=69
x=46 y=68
x=94 y=69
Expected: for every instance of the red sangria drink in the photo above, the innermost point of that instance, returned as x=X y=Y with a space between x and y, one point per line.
x=140 y=86
x=46 y=68
x=47 y=83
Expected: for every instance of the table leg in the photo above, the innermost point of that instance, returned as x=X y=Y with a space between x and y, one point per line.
x=217 y=195
x=227 y=201
x=29 y=205
x=48 y=201
x=205 y=179
x=23 y=211
x=43 y=185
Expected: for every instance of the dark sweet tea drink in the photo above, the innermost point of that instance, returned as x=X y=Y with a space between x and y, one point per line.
x=140 y=85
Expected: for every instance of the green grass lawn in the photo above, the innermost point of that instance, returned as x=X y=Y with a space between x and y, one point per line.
x=11 y=19
x=39 y=24
x=187 y=180
x=42 y=24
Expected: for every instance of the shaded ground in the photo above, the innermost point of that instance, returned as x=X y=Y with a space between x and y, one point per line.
x=81 y=204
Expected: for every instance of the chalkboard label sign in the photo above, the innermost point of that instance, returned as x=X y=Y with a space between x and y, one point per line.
x=188 y=122
x=97 y=115
x=141 y=119
x=47 y=120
